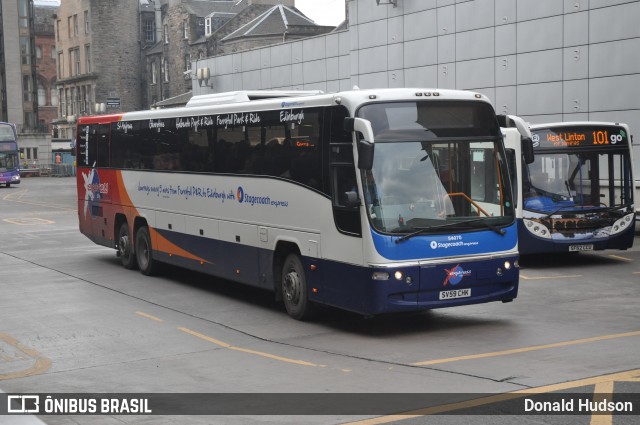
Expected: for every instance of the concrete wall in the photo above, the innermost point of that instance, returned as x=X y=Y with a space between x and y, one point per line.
x=545 y=60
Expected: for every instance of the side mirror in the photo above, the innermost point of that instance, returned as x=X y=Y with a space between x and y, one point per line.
x=365 y=155
x=351 y=199
x=527 y=150
x=365 y=147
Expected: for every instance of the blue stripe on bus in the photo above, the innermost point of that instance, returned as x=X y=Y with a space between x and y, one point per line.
x=447 y=245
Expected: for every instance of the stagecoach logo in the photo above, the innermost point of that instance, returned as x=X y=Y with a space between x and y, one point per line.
x=455 y=275
x=240 y=194
x=93 y=191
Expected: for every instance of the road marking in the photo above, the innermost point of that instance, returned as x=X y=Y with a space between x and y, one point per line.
x=148 y=316
x=601 y=392
x=18 y=194
x=597 y=380
x=618 y=257
x=246 y=350
x=28 y=221
x=568 y=276
x=527 y=349
x=41 y=364
x=17 y=198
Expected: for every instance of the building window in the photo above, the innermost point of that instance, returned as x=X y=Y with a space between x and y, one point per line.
x=25 y=50
x=42 y=94
x=63 y=104
x=83 y=100
x=87 y=58
x=74 y=62
x=35 y=153
x=54 y=96
x=27 y=88
x=28 y=119
x=185 y=29
x=165 y=70
x=75 y=24
x=187 y=62
x=61 y=64
x=38 y=52
x=71 y=105
x=23 y=13
x=69 y=25
x=166 y=34
x=58 y=23
x=154 y=73
x=207 y=27
x=149 y=30
x=86 y=22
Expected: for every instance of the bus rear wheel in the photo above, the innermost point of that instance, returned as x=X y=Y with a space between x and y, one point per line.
x=8 y=184
x=126 y=254
x=295 y=291
x=144 y=252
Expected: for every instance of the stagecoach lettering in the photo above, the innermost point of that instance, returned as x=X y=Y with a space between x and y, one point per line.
x=124 y=126
x=156 y=124
x=289 y=116
x=180 y=123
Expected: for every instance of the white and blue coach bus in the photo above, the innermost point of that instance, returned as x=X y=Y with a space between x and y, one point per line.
x=373 y=201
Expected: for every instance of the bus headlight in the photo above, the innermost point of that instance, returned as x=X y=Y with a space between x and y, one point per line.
x=622 y=223
x=507 y=265
x=537 y=228
x=398 y=275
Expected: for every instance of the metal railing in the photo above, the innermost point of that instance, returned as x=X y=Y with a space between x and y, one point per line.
x=52 y=170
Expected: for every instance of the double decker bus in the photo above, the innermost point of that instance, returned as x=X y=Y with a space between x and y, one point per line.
x=9 y=155
x=577 y=194
x=373 y=201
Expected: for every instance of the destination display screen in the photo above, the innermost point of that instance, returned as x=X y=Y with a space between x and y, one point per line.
x=579 y=137
x=8 y=146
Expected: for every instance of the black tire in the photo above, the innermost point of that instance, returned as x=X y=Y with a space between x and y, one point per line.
x=295 y=291
x=144 y=252
x=126 y=254
x=8 y=185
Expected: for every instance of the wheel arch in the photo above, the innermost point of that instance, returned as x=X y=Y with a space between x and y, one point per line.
x=282 y=249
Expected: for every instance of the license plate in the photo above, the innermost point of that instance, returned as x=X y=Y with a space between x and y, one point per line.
x=455 y=293
x=584 y=247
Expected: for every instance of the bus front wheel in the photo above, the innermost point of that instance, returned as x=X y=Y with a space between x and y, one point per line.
x=126 y=254
x=144 y=252
x=295 y=291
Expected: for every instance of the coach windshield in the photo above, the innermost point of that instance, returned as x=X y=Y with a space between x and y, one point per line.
x=439 y=166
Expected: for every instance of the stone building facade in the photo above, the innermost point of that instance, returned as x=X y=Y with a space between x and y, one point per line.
x=98 y=58
x=18 y=102
x=46 y=54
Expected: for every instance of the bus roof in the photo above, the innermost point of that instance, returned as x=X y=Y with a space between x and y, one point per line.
x=246 y=101
x=574 y=124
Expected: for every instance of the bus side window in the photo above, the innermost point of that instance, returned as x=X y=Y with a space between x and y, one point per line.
x=96 y=146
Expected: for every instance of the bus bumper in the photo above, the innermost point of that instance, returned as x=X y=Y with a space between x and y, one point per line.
x=442 y=285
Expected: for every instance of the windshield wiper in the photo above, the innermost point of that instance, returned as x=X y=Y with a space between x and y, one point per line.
x=419 y=230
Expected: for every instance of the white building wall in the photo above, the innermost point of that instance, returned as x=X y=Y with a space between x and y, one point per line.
x=545 y=60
